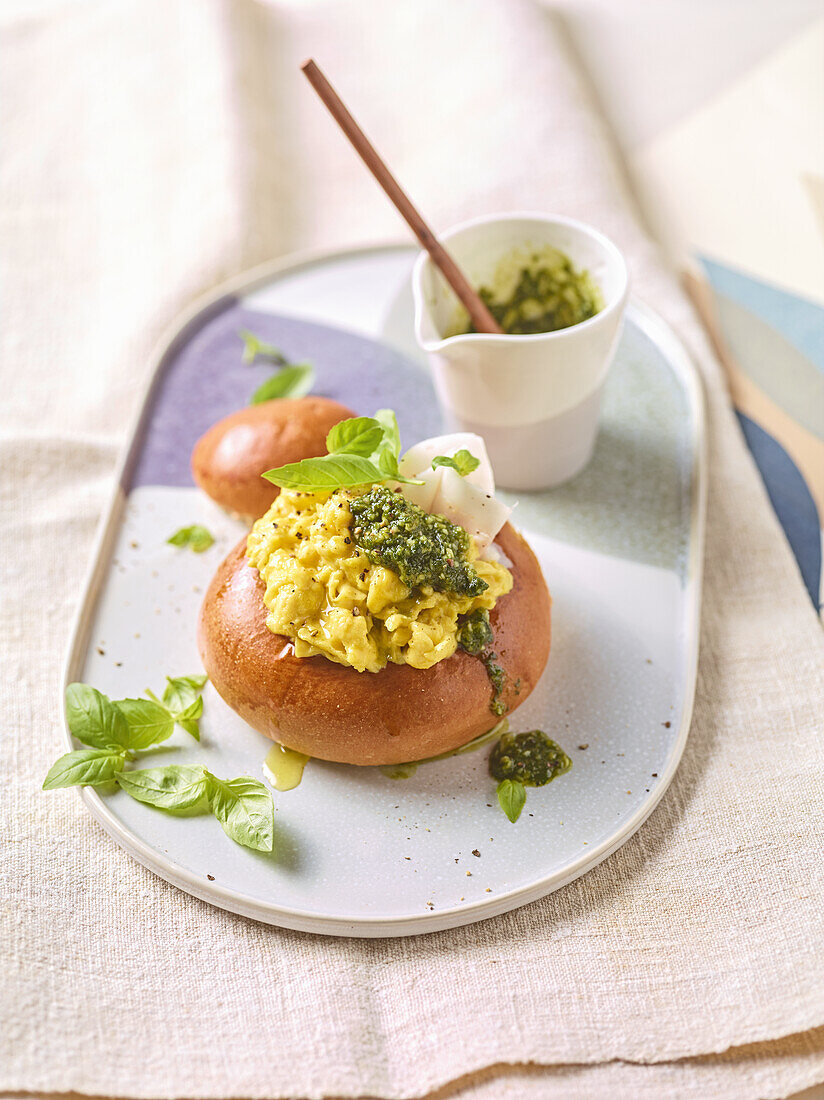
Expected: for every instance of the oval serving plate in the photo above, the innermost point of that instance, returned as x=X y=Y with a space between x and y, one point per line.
x=357 y=853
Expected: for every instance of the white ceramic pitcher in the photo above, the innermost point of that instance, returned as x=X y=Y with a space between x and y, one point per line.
x=535 y=399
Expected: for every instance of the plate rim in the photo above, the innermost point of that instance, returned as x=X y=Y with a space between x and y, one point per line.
x=655 y=328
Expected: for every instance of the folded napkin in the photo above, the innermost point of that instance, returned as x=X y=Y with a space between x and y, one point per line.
x=152 y=148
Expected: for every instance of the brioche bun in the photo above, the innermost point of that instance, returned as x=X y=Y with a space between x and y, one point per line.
x=399 y=714
x=229 y=458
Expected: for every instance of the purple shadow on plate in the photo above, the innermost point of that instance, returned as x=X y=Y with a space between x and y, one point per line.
x=201 y=379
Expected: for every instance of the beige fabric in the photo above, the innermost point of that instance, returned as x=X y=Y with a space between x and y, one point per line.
x=764 y=1070
x=150 y=148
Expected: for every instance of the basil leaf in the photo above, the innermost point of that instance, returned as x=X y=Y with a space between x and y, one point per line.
x=94 y=719
x=188 y=719
x=149 y=722
x=462 y=461
x=197 y=537
x=512 y=798
x=327 y=473
x=245 y=811
x=360 y=435
x=253 y=346
x=363 y=450
x=89 y=767
x=294 y=381
x=172 y=788
x=391 y=432
x=388 y=465
x=181 y=692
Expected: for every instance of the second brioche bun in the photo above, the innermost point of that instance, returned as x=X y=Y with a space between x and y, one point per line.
x=228 y=459
x=399 y=714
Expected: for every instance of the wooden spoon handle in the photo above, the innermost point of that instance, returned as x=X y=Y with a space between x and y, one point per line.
x=482 y=319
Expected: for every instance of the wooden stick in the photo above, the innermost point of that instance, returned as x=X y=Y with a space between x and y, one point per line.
x=482 y=319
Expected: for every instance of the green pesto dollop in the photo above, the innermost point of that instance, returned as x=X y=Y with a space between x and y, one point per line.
x=549 y=294
x=530 y=758
x=474 y=632
x=421 y=548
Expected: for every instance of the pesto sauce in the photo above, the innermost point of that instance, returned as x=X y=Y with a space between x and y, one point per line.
x=422 y=549
x=475 y=636
x=474 y=632
x=530 y=758
x=547 y=296
x=497 y=677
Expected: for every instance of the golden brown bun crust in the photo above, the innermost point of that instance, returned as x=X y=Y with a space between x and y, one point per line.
x=229 y=458
x=398 y=714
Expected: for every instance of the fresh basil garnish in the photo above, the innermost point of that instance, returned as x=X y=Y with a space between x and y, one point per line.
x=173 y=788
x=391 y=432
x=149 y=722
x=511 y=798
x=117 y=730
x=89 y=767
x=196 y=537
x=182 y=697
x=133 y=725
x=363 y=450
x=326 y=474
x=463 y=461
x=94 y=719
x=188 y=719
x=388 y=464
x=253 y=347
x=360 y=435
x=183 y=702
x=294 y=381
x=244 y=809
x=182 y=691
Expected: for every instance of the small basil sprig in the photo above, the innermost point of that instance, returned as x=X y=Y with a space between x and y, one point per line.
x=363 y=450
x=175 y=788
x=183 y=702
x=244 y=809
x=253 y=347
x=149 y=722
x=117 y=730
x=511 y=798
x=243 y=806
x=90 y=767
x=294 y=381
x=463 y=461
x=94 y=719
x=196 y=537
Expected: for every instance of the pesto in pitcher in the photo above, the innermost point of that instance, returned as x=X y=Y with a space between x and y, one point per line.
x=548 y=293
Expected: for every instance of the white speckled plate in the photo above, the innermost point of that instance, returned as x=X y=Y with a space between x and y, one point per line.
x=357 y=853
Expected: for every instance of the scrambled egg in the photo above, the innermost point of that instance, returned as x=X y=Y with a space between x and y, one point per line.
x=324 y=593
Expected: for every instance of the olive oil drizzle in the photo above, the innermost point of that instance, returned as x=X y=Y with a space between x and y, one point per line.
x=284 y=767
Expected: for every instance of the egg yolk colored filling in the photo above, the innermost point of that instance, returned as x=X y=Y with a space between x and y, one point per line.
x=324 y=593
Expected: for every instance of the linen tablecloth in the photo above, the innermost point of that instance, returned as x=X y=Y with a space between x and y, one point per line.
x=151 y=149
